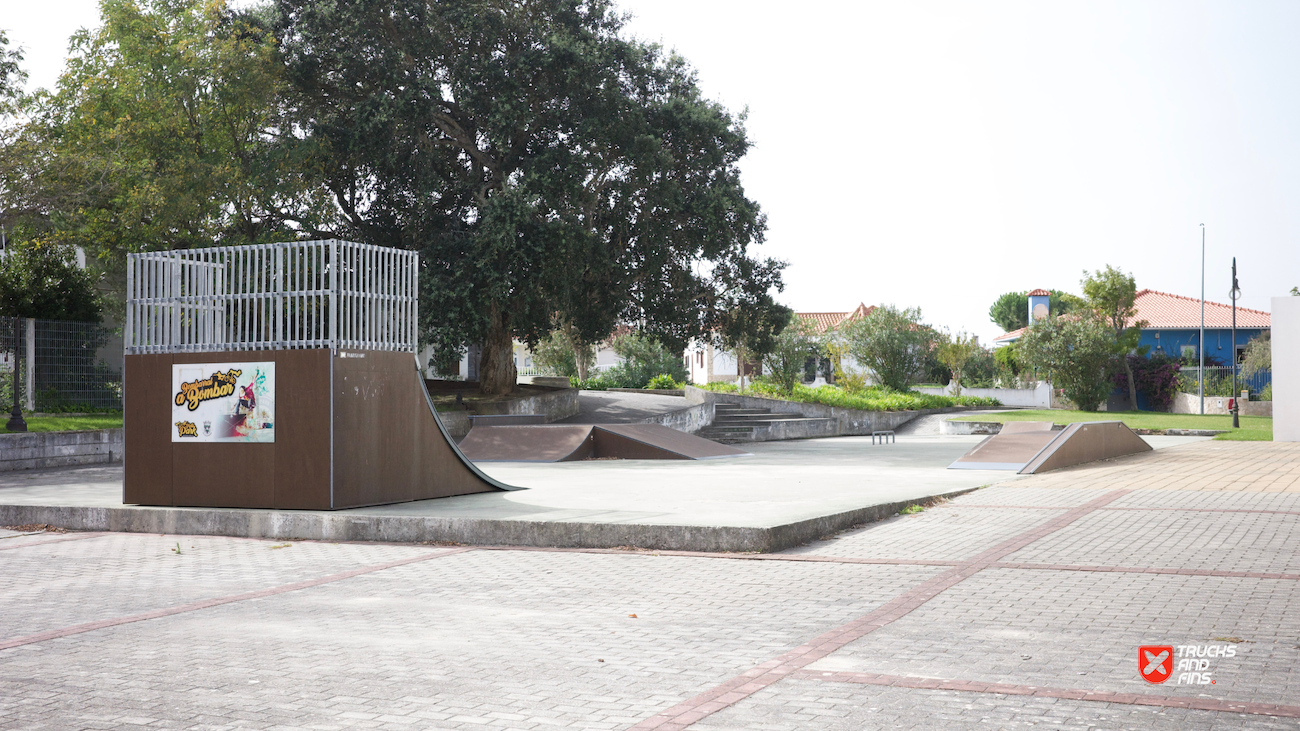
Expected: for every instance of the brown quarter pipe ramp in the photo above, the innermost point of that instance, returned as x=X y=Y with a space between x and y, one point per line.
x=565 y=443
x=1030 y=447
x=351 y=429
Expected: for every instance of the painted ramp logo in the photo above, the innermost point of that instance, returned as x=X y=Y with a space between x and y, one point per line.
x=1156 y=662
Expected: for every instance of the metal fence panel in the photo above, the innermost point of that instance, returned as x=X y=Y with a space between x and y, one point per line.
x=65 y=367
x=302 y=294
x=1218 y=380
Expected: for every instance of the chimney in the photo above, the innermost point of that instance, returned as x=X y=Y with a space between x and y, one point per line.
x=1038 y=307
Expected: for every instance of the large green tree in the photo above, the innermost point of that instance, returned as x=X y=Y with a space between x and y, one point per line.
x=1075 y=352
x=167 y=130
x=1112 y=295
x=44 y=282
x=893 y=343
x=546 y=168
x=1011 y=310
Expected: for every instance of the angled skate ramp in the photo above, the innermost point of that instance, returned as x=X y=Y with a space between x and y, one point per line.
x=1087 y=442
x=657 y=442
x=1031 y=447
x=568 y=443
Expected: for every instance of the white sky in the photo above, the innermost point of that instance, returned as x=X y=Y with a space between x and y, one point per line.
x=937 y=154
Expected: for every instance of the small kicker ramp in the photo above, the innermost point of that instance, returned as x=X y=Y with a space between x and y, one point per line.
x=565 y=443
x=1031 y=447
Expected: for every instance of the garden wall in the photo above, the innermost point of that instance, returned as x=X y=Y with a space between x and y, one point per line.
x=39 y=450
x=849 y=422
x=1030 y=398
x=690 y=419
x=1186 y=403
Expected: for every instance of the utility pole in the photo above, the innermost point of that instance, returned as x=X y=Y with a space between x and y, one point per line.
x=1200 y=388
x=1236 y=396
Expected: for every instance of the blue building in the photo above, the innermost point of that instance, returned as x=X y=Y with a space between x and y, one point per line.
x=1173 y=326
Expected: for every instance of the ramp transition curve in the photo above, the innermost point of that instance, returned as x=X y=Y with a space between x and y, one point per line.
x=569 y=443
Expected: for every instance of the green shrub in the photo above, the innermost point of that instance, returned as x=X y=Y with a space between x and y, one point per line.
x=790 y=353
x=663 y=381
x=894 y=344
x=872 y=398
x=643 y=359
x=1077 y=354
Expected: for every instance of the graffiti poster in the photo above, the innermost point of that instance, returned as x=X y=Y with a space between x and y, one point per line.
x=223 y=402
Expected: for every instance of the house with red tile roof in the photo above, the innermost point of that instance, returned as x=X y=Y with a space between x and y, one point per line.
x=706 y=363
x=824 y=321
x=1173 y=325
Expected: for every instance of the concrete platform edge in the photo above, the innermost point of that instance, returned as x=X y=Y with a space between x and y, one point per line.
x=292 y=525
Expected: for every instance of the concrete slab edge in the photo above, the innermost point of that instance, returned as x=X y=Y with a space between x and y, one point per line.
x=286 y=525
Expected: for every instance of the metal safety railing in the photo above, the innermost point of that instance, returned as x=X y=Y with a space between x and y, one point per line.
x=304 y=294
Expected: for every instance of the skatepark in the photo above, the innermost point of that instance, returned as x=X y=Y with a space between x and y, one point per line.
x=344 y=442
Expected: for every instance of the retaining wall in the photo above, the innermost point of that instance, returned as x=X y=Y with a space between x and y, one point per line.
x=38 y=450
x=1039 y=397
x=456 y=423
x=1187 y=403
x=848 y=422
x=690 y=419
x=558 y=404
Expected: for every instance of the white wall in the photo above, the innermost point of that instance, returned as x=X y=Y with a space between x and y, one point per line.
x=1286 y=369
x=1039 y=397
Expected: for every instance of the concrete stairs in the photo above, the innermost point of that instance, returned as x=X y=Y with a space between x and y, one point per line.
x=733 y=424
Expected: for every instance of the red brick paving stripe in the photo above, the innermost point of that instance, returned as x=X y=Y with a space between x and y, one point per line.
x=1145 y=570
x=1123 y=507
x=751 y=681
x=77 y=537
x=1097 y=696
x=77 y=629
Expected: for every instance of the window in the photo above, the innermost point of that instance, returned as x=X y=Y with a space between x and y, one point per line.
x=1189 y=351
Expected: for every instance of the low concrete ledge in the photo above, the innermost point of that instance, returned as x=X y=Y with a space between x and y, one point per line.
x=652 y=391
x=849 y=422
x=556 y=404
x=38 y=450
x=690 y=419
x=952 y=427
x=295 y=525
x=457 y=423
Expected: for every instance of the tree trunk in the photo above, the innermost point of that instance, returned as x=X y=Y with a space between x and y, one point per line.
x=579 y=358
x=740 y=368
x=496 y=371
x=1132 y=387
x=579 y=349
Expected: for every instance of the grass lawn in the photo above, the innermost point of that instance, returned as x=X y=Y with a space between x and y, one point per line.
x=67 y=423
x=1253 y=428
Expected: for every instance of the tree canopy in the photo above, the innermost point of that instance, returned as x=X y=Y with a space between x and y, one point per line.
x=1112 y=295
x=1075 y=352
x=44 y=282
x=892 y=342
x=550 y=171
x=544 y=166
x=1011 y=310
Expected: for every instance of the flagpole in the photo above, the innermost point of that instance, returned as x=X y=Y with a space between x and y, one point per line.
x=1200 y=388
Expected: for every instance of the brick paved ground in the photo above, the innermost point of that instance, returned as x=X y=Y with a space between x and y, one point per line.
x=1021 y=605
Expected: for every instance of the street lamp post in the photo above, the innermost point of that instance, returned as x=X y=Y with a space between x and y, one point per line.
x=1236 y=396
x=16 y=422
x=1200 y=388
